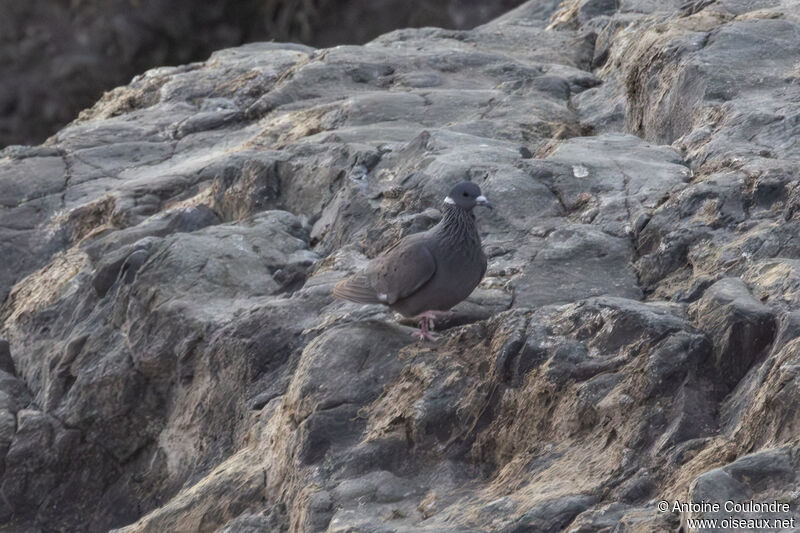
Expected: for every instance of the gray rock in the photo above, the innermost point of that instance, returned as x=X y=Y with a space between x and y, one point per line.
x=761 y=477
x=740 y=327
x=179 y=362
x=6 y=362
x=160 y=33
x=555 y=513
x=637 y=489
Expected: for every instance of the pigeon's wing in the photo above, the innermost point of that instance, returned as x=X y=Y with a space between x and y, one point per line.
x=401 y=270
x=356 y=289
x=395 y=274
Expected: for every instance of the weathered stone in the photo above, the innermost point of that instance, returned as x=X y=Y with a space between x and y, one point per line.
x=741 y=328
x=72 y=44
x=554 y=513
x=761 y=477
x=6 y=362
x=177 y=361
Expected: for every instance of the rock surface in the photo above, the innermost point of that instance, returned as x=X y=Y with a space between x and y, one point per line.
x=174 y=360
x=57 y=58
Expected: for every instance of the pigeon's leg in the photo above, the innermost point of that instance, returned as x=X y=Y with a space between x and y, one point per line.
x=436 y=315
x=424 y=334
x=431 y=316
x=427 y=324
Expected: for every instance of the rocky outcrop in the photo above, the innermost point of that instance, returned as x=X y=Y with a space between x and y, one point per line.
x=57 y=58
x=175 y=360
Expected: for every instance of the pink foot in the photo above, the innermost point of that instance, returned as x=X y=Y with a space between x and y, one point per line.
x=426 y=324
x=424 y=335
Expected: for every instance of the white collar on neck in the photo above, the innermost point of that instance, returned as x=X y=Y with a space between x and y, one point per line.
x=449 y=200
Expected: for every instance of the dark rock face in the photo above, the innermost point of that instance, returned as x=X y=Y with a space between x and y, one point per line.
x=57 y=58
x=173 y=359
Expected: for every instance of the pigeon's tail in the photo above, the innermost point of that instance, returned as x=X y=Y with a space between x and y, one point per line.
x=356 y=289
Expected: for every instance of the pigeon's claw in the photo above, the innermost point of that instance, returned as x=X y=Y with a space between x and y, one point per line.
x=426 y=325
x=424 y=335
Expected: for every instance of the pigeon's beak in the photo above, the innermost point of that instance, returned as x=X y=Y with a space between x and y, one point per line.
x=482 y=201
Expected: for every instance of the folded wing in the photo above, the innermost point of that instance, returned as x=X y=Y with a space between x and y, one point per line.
x=396 y=274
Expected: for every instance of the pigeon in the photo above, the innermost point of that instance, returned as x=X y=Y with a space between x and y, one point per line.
x=425 y=274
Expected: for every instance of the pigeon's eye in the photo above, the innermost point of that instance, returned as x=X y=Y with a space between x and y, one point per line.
x=466 y=193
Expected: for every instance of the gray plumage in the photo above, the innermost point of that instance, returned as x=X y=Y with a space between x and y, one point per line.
x=429 y=271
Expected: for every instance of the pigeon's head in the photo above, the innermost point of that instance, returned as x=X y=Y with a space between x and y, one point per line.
x=467 y=195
